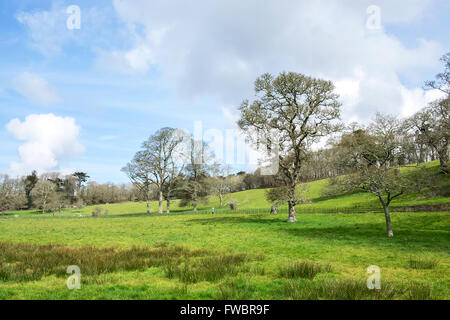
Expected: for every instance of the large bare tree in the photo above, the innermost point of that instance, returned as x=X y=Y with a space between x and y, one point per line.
x=301 y=110
x=152 y=165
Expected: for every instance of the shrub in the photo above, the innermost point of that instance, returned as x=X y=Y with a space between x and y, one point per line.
x=97 y=211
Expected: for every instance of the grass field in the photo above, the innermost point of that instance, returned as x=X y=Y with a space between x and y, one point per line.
x=186 y=255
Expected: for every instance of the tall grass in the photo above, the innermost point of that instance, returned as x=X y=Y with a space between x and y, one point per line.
x=237 y=289
x=210 y=268
x=422 y=263
x=354 y=290
x=303 y=269
x=25 y=262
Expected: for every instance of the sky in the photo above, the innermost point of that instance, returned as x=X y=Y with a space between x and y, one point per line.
x=82 y=92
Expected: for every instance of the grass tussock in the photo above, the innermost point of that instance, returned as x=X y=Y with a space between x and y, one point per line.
x=237 y=289
x=354 y=290
x=27 y=262
x=423 y=263
x=303 y=269
x=419 y=291
x=210 y=268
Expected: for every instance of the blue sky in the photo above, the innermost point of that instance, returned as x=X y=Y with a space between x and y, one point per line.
x=136 y=66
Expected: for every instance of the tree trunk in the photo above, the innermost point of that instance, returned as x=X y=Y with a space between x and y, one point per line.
x=148 y=207
x=221 y=200
x=168 y=205
x=292 y=215
x=160 y=207
x=195 y=206
x=291 y=202
x=390 y=233
x=443 y=159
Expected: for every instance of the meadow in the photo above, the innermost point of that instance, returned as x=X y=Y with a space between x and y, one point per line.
x=248 y=254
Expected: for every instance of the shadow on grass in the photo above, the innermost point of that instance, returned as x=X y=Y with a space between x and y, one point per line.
x=410 y=231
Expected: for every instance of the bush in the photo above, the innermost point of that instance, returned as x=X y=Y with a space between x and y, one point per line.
x=97 y=211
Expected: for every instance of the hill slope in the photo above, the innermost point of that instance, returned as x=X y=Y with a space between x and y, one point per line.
x=256 y=199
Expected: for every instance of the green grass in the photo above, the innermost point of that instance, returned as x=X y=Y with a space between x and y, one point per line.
x=186 y=255
x=236 y=255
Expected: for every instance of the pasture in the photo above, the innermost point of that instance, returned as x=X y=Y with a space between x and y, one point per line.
x=248 y=254
x=226 y=256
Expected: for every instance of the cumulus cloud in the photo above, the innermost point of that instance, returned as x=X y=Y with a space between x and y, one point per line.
x=48 y=139
x=220 y=47
x=35 y=88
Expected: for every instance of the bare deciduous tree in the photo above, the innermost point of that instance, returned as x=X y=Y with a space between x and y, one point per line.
x=45 y=196
x=301 y=110
x=373 y=152
x=432 y=126
x=12 y=194
x=152 y=165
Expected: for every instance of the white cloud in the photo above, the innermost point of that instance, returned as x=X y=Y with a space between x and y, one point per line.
x=48 y=139
x=48 y=33
x=136 y=60
x=35 y=88
x=414 y=100
x=47 y=29
x=220 y=47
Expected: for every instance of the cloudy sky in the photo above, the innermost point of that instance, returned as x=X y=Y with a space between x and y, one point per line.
x=85 y=98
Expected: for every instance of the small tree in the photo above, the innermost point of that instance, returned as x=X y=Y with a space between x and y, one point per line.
x=197 y=170
x=373 y=153
x=140 y=175
x=221 y=182
x=29 y=183
x=45 y=195
x=12 y=195
x=432 y=126
x=81 y=178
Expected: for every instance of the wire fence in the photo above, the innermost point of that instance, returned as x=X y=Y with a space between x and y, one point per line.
x=330 y=210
